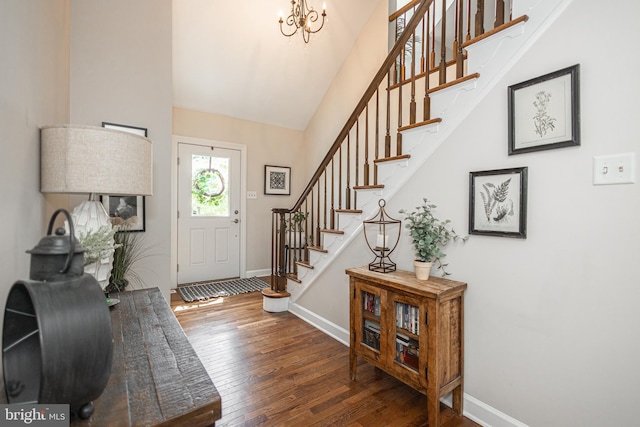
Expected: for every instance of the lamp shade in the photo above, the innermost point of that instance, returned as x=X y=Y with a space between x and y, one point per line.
x=90 y=159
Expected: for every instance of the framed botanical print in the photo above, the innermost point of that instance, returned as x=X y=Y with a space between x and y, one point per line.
x=498 y=202
x=544 y=113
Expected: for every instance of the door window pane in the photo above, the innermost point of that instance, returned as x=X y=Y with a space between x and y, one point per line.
x=209 y=186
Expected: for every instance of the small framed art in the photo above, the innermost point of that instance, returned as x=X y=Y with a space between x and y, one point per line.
x=498 y=202
x=125 y=210
x=544 y=113
x=277 y=180
x=125 y=128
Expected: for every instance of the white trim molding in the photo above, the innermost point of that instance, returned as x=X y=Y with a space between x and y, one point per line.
x=484 y=414
x=329 y=328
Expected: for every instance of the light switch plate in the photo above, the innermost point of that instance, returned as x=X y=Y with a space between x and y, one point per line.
x=252 y=195
x=614 y=169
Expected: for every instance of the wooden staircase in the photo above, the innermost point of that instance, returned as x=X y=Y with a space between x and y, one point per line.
x=402 y=118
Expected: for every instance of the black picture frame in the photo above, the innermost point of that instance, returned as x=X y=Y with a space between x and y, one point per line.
x=126 y=210
x=126 y=128
x=498 y=202
x=277 y=180
x=137 y=203
x=544 y=112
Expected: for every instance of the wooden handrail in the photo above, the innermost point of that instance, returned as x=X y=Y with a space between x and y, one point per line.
x=368 y=94
x=402 y=10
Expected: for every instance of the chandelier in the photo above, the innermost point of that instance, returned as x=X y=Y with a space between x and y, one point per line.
x=302 y=17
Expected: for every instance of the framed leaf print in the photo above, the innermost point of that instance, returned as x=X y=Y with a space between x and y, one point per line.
x=498 y=202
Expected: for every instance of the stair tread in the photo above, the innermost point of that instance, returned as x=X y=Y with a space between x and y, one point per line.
x=496 y=30
x=368 y=187
x=393 y=158
x=293 y=277
x=331 y=231
x=455 y=82
x=419 y=124
x=353 y=211
x=304 y=264
x=317 y=249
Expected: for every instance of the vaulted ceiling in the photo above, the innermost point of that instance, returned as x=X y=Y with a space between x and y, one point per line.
x=229 y=58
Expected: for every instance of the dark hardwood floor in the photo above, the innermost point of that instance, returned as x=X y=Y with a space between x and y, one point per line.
x=273 y=369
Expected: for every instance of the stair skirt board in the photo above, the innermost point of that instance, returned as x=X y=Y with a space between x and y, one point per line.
x=492 y=57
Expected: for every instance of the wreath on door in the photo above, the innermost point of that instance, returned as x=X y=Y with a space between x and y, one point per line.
x=208 y=186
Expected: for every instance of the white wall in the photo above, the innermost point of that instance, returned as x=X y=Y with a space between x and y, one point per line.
x=121 y=73
x=34 y=91
x=347 y=88
x=551 y=322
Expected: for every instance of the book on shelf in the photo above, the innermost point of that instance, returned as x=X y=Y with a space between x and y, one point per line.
x=408 y=317
x=407 y=351
x=371 y=303
x=371 y=334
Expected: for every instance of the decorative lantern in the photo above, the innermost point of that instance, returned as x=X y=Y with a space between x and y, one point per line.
x=57 y=342
x=385 y=232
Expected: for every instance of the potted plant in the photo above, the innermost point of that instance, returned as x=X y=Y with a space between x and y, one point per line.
x=129 y=251
x=428 y=235
x=294 y=229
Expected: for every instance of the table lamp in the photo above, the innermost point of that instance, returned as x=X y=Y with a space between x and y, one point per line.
x=79 y=159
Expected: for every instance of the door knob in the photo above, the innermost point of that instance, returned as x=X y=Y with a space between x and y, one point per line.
x=236 y=220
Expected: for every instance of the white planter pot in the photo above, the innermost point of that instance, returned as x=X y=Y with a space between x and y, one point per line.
x=422 y=269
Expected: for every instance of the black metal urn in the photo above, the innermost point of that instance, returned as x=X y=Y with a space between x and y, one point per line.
x=57 y=341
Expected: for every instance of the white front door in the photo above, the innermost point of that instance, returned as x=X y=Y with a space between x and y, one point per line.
x=208 y=213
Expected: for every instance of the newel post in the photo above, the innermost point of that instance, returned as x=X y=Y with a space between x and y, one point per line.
x=278 y=247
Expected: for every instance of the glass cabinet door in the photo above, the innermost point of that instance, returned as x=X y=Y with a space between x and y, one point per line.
x=370 y=303
x=409 y=320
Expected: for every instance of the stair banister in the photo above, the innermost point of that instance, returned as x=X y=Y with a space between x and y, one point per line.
x=279 y=268
x=370 y=91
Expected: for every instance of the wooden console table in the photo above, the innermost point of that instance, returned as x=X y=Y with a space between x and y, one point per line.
x=411 y=329
x=156 y=376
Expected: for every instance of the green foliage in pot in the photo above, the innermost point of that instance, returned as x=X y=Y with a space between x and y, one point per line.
x=130 y=251
x=294 y=222
x=429 y=234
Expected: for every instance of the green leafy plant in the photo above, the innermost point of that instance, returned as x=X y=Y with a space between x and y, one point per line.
x=429 y=234
x=130 y=250
x=98 y=244
x=294 y=222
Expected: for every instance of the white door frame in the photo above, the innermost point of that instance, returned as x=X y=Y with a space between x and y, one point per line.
x=175 y=140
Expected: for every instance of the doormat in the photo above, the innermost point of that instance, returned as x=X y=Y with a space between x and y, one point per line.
x=205 y=291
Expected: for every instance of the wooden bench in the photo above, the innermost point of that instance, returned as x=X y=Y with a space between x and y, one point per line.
x=156 y=377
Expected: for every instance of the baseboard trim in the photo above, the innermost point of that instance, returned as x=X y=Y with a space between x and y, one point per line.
x=484 y=414
x=474 y=409
x=329 y=328
x=258 y=273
